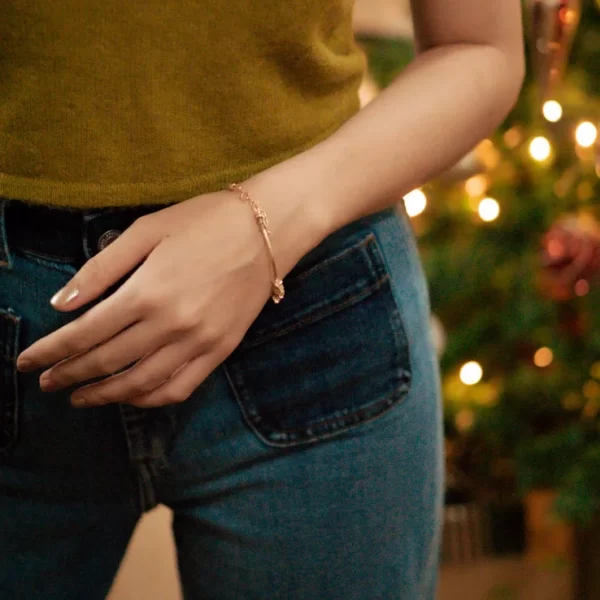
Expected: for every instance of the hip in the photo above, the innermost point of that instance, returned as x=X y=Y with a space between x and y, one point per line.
x=349 y=343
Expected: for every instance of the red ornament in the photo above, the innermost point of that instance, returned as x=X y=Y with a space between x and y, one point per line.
x=570 y=258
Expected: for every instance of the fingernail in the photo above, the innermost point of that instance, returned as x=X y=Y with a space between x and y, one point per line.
x=46 y=383
x=64 y=296
x=79 y=402
x=23 y=364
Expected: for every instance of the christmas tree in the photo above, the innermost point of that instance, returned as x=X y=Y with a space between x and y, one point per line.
x=510 y=243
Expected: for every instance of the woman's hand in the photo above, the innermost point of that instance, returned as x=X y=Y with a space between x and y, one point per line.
x=203 y=277
x=205 y=274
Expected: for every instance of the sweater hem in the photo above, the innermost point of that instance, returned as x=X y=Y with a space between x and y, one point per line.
x=97 y=195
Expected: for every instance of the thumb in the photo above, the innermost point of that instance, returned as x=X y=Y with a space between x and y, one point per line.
x=107 y=267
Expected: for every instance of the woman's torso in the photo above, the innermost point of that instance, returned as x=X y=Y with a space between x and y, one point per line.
x=107 y=102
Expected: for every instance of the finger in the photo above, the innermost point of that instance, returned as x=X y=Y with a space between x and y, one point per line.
x=181 y=385
x=97 y=325
x=139 y=380
x=109 y=266
x=106 y=359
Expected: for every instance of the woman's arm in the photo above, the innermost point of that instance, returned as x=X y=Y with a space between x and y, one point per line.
x=175 y=326
x=465 y=79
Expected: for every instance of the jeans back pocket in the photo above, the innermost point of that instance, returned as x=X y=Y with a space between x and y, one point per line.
x=334 y=354
x=9 y=406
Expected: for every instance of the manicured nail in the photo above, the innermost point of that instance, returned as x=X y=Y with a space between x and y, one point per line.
x=64 y=296
x=79 y=402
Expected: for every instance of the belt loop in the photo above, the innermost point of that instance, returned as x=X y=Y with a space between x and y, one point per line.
x=87 y=219
x=5 y=257
x=85 y=236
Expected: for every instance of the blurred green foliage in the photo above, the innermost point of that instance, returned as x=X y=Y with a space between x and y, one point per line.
x=523 y=426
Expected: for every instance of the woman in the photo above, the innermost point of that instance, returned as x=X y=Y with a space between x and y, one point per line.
x=297 y=442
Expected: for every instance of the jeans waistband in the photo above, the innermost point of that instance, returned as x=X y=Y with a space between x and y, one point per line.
x=62 y=234
x=75 y=235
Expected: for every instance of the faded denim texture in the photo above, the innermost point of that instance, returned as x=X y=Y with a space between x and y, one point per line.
x=308 y=466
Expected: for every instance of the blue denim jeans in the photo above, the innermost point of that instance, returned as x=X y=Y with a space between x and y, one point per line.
x=307 y=466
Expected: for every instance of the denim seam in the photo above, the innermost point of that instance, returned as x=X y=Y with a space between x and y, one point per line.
x=397 y=326
x=328 y=306
x=403 y=380
x=408 y=245
x=330 y=261
x=329 y=427
x=334 y=424
x=86 y=221
x=9 y=404
x=10 y=314
x=48 y=257
x=340 y=417
x=64 y=268
x=5 y=255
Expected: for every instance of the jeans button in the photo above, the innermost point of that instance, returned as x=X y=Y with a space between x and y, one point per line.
x=107 y=238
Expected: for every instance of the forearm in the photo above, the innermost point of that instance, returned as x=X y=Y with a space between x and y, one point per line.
x=437 y=110
x=447 y=100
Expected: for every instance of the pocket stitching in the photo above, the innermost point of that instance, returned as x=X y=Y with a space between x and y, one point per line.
x=368 y=239
x=292 y=437
x=48 y=262
x=331 y=305
x=402 y=386
x=325 y=309
x=337 y=423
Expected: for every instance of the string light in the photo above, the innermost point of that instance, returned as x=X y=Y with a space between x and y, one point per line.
x=415 y=202
x=489 y=209
x=552 y=111
x=591 y=390
x=539 y=148
x=586 y=134
x=471 y=373
x=476 y=185
x=488 y=154
x=513 y=137
x=543 y=357
x=595 y=370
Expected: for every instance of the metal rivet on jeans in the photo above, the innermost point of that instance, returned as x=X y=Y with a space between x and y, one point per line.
x=107 y=238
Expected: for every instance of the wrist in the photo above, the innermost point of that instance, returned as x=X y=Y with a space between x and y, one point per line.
x=296 y=209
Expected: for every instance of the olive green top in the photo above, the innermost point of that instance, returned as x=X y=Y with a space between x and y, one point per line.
x=120 y=102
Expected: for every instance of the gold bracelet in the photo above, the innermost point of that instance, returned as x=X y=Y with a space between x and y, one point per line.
x=277 y=290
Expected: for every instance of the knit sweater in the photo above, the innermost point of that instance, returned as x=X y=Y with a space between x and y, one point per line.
x=124 y=102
